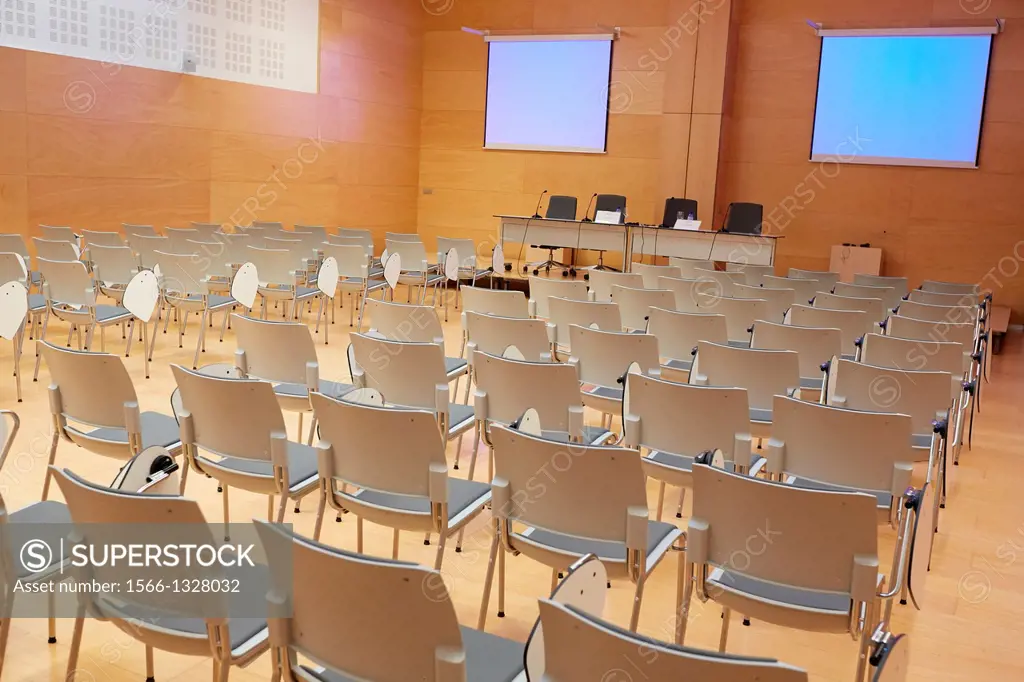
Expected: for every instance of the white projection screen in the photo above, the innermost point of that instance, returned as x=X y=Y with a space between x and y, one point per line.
x=548 y=93
x=902 y=97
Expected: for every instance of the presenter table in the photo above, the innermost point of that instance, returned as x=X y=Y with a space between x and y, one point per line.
x=564 y=234
x=750 y=249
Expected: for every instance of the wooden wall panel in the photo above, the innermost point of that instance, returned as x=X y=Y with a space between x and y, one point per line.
x=98 y=144
x=930 y=222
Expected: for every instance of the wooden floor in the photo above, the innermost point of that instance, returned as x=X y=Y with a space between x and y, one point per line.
x=971 y=628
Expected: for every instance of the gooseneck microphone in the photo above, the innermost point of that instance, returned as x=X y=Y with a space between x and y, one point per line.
x=586 y=214
x=526 y=230
x=536 y=213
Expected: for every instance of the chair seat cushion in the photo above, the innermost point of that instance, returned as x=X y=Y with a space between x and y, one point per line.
x=43 y=521
x=301 y=466
x=684 y=365
x=305 y=292
x=463 y=498
x=735 y=582
x=660 y=536
x=592 y=435
x=242 y=630
x=460 y=417
x=453 y=366
x=739 y=343
x=110 y=313
x=157 y=429
x=921 y=440
x=685 y=462
x=812 y=382
x=884 y=497
x=36 y=302
x=334 y=389
x=758 y=414
x=609 y=392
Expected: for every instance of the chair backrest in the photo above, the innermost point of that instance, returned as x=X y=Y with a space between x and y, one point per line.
x=500 y=302
x=465 y=248
x=842 y=447
x=581 y=648
x=236 y=245
x=951 y=288
x=375 y=607
x=590 y=499
x=380 y=448
x=365 y=236
x=764 y=373
x=229 y=417
x=900 y=284
x=743 y=217
x=14 y=243
x=57 y=233
x=602 y=281
x=721 y=281
x=914 y=355
x=210 y=256
x=319 y=232
x=145 y=247
x=935 y=298
x=366 y=244
x=11 y=269
x=543 y=288
x=776 y=301
x=561 y=207
x=812 y=539
x=274 y=350
x=676 y=207
x=180 y=238
x=688 y=292
x=604 y=356
x=858 y=386
x=803 y=289
x=102 y=238
x=566 y=312
x=635 y=304
x=181 y=274
x=853 y=324
x=493 y=334
x=91 y=388
x=404 y=322
x=889 y=295
x=740 y=313
x=68 y=282
x=352 y=258
x=145 y=230
x=925 y=330
x=206 y=230
x=814 y=345
x=678 y=333
x=403 y=237
x=872 y=306
x=754 y=274
x=930 y=312
x=412 y=253
x=55 y=250
x=273 y=266
x=407 y=374
x=268 y=224
x=610 y=202
x=688 y=266
x=682 y=419
x=651 y=273
x=827 y=279
x=511 y=388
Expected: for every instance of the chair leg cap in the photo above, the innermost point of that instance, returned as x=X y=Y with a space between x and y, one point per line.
x=559 y=575
x=679 y=515
x=150 y=679
x=426 y=542
x=51 y=640
x=458 y=550
x=903 y=602
x=942 y=506
x=501 y=614
x=746 y=621
x=297 y=510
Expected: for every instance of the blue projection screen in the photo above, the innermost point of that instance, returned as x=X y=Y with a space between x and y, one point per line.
x=907 y=100
x=548 y=94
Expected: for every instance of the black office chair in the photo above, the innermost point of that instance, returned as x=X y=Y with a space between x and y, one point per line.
x=560 y=207
x=744 y=218
x=675 y=207
x=609 y=202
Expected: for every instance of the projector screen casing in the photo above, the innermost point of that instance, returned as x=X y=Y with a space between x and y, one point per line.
x=952 y=155
x=595 y=94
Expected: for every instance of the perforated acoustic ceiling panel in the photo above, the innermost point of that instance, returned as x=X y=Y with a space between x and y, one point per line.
x=263 y=42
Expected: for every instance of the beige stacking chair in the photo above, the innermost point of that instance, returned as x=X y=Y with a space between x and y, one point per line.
x=763 y=373
x=544 y=288
x=753 y=274
x=54 y=250
x=211 y=260
x=113 y=267
x=740 y=314
x=900 y=284
x=635 y=305
x=951 y=288
x=303 y=254
x=889 y=296
x=387 y=465
x=602 y=282
x=99 y=513
x=872 y=306
x=497 y=302
x=651 y=273
x=816 y=568
x=279 y=279
x=678 y=335
x=131 y=229
x=828 y=280
x=409 y=237
x=93 y=404
x=804 y=290
x=964 y=333
x=236 y=251
x=532 y=339
x=405 y=322
x=776 y=301
x=416 y=270
x=14 y=243
x=930 y=312
x=603 y=358
x=374 y=609
x=688 y=292
x=688 y=266
x=815 y=348
x=145 y=248
x=233 y=431
x=409 y=375
x=566 y=312
x=852 y=324
x=179 y=238
x=672 y=424
x=720 y=281
x=45 y=518
x=207 y=230
x=469 y=269
x=353 y=277
x=935 y=298
x=71 y=297
x=507 y=387
x=283 y=353
x=354 y=240
x=185 y=287
x=571 y=521
x=365 y=237
x=582 y=648
x=58 y=234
